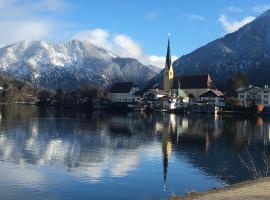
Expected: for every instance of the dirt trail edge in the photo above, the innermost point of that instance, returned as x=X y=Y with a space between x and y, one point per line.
x=249 y=190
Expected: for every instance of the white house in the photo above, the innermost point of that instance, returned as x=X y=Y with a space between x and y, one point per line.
x=254 y=95
x=154 y=94
x=123 y=92
x=172 y=103
x=152 y=97
x=213 y=97
x=168 y=103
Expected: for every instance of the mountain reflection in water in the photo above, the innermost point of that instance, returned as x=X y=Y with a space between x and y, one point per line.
x=60 y=154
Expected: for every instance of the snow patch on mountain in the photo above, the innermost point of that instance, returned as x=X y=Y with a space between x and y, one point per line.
x=69 y=65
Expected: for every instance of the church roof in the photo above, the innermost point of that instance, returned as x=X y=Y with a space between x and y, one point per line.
x=122 y=87
x=193 y=82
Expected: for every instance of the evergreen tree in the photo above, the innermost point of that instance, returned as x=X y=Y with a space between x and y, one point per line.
x=235 y=82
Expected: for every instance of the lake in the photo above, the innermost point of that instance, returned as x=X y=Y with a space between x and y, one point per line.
x=62 y=154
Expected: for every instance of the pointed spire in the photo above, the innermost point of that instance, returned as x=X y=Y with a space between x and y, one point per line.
x=165 y=171
x=168 y=57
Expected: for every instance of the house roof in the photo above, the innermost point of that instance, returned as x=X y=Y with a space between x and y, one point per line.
x=252 y=87
x=122 y=87
x=158 y=92
x=212 y=93
x=193 y=82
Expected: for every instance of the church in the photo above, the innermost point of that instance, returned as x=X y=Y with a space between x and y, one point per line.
x=191 y=85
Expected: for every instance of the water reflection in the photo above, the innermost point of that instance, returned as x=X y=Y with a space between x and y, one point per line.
x=98 y=148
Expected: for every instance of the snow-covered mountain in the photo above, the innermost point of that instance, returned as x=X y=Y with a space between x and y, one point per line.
x=246 y=50
x=69 y=65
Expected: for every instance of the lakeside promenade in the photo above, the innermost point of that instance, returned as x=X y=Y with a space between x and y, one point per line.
x=249 y=190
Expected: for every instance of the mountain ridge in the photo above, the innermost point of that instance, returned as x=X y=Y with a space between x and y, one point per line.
x=69 y=65
x=244 y=50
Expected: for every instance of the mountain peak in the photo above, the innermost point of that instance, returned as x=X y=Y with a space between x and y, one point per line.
x=69 y=65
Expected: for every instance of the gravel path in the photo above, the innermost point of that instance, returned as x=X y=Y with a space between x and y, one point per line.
x=250 y=190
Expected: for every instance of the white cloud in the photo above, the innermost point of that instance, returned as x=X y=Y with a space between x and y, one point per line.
x=261 y=8
x=196 y=17
x=230 y=26
x=122 y=45
x=127 y=47
x=27 y=20
x=234 y=9
x=23 y=30
x=97 y=36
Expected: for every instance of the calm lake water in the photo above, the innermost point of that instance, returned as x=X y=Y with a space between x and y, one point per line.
x=52 y=154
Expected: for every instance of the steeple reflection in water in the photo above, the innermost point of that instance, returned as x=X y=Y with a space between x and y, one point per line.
x=48 y=153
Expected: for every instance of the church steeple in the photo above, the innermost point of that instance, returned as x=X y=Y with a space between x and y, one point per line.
x=168 y=57
x=168 y=72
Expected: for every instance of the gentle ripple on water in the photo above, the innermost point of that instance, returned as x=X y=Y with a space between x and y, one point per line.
x=57 y=154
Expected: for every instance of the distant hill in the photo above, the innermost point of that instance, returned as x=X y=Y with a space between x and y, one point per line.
x=246 y=50
x=69 y=65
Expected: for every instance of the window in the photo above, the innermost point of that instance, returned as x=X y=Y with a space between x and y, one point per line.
x=265 y=96
x=242 y=96
x=265 y=102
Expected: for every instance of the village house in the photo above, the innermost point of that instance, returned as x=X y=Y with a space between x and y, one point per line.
x=213 y=97
x=172 y=103
x=152 y=97
x=253 y=95
x=154 y=94
x=123 y=92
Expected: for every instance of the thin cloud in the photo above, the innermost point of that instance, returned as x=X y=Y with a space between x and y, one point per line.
x=28 y=20
x=232 y=26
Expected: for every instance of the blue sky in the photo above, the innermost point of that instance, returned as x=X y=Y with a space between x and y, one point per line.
x=132 y=28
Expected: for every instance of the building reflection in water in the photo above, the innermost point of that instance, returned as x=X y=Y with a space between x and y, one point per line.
x=101 y=144
x=212 y=143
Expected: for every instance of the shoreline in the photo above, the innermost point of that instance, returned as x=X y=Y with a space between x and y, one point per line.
x=247 y=190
